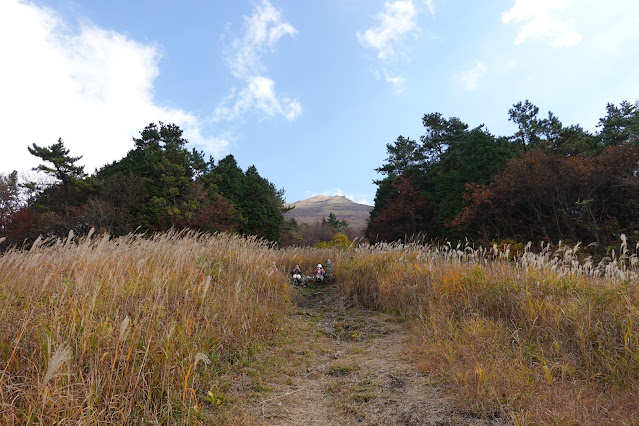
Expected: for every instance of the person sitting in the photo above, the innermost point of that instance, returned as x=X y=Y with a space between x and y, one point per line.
x=297 y=274
x=273 y=268
x=329 y=268
x=319 y=272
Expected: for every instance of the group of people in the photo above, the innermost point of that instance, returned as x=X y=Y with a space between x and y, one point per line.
x=319 y=274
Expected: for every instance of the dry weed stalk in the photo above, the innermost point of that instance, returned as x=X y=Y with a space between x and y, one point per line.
x=136 y=316
x=540 y=337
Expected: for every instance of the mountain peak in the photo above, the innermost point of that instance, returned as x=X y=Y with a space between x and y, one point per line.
x=315 y=199
x=325 y=198
x=321 y=206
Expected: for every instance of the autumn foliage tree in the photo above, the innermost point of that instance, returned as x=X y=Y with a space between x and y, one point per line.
x=546 y=182
x=549 y=197
x=406 y=214
x=447 y=157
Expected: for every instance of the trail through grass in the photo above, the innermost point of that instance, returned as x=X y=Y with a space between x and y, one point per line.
x=340 y=364
x=186 y=328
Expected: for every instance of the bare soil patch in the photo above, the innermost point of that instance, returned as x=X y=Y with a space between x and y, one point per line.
x=340 y=364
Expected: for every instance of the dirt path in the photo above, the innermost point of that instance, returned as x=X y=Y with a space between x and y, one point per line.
x=343 y=365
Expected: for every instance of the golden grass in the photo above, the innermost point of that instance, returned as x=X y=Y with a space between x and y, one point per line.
x=142 y=330
x=541 y=339
x=130 y=329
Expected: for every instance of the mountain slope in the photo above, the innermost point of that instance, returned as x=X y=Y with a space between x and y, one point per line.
x=319 y=206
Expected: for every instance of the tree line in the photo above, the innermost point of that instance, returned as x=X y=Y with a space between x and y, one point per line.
x=547 y=182
x=158 y=185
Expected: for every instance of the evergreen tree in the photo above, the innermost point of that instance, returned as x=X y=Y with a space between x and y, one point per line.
x=404 y=156
x=473 y=156
x=63 y=167
x=229 y=179
x=524 y=115
x=262 y=206
x=259 y=203
x=574 y=140
x=334 y=223
x=620 y=125
x=167 y=168
x=9 y=196
x=449 y=157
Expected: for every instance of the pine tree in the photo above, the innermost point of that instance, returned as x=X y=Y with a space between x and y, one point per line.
x=63 y=166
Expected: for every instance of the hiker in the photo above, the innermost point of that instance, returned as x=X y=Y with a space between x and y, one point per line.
x=329 y=268
x=319 y=272
x=297 y=274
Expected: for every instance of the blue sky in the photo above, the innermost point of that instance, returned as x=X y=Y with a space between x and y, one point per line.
x=310 y=92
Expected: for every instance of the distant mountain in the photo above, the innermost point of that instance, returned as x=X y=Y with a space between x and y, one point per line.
x=319 y=206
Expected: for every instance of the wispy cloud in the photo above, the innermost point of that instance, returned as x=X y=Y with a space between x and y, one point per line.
x=396 y=23
x=469 y=79
x=397 y=81
x=262 y=30
x=75 y=84
x=430 y=4
x=543 y=19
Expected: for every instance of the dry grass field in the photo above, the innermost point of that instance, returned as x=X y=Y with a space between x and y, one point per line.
x=130 y=329
x=539 y=338
x=140 y=330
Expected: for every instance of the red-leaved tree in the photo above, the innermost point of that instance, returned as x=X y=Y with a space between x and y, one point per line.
x=549 y=197
x=406 y=214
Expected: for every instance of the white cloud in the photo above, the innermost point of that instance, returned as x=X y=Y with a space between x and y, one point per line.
x=398 y=82
x=469 y=79
x=396 y=23
x=430 y=4
x=258 y=95
x=92 y=87
x=568 y=39
x=543 y=19
x=263 y=29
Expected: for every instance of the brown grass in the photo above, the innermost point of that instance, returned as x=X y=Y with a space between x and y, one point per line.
x=131 y=329
x=144 y=330
x=541 y=339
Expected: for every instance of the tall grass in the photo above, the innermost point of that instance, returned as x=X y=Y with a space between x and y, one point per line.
x=541 y=338
x=307 y=258
x=130 y=329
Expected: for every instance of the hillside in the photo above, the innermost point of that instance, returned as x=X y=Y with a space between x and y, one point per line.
x=319 y=206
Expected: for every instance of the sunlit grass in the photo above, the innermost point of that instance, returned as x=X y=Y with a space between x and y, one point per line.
x=542 y=338
x=130 y=329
